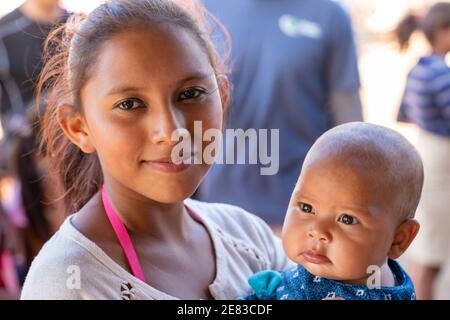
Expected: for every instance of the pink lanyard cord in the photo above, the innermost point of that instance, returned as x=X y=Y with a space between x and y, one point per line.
x=124 y=237
x=194 y=214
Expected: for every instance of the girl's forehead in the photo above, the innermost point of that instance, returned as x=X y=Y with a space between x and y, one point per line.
x=164 y=50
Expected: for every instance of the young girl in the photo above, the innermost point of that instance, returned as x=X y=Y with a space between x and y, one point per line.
x=120 y=83
x=426 y=103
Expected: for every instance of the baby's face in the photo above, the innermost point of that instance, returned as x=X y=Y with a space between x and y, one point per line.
x=338 y=223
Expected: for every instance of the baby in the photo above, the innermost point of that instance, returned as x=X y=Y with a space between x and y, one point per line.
x=350 y=215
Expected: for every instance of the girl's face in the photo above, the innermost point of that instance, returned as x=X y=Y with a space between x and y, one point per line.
x=145 y=85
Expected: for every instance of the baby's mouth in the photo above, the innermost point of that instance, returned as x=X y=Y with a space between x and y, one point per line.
x=315 y=258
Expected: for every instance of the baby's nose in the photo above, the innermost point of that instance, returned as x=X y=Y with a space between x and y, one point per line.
x=319 y=234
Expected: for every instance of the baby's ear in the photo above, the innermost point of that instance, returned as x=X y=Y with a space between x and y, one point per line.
x=403 y=237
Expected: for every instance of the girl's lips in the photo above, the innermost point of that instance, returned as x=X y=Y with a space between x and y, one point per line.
x=166 y=166
x=312 y=257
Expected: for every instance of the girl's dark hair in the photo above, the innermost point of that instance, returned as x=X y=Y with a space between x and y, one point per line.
x=437 y=17
x=70 y=53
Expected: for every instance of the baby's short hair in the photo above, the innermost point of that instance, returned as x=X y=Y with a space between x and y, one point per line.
x=393 y=160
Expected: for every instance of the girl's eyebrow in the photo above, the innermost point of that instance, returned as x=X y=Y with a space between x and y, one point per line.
x=123 y=89
x=196 y=76
x=128 y=88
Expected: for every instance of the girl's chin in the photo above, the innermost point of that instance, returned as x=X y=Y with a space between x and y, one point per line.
x=172 y=194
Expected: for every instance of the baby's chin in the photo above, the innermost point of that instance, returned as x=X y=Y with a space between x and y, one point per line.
x=323 y=271
x=329 y=271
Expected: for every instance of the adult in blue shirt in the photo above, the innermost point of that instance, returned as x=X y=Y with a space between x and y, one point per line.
x=294 y=69
x=22 y=36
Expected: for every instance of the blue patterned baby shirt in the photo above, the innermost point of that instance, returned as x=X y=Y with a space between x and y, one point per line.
x=297 y=283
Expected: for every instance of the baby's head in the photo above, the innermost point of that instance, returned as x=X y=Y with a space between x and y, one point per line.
x=354 y=202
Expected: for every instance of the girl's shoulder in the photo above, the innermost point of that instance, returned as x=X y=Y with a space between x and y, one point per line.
x=242 y=230
x=49 y=271
x=230 y=219
x=67 y=267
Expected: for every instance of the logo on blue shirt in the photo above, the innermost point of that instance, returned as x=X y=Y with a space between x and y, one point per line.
x=294 y=27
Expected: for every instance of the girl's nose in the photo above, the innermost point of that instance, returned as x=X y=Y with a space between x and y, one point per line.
x=164 y=122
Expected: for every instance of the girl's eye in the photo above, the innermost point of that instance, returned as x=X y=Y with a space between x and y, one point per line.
x=346 y=219
x=130 y=104
x=192 y=93
x=306 y=208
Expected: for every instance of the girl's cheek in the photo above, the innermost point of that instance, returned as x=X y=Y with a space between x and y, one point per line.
x=213 y=114
x=120 y=145
x=212 y=121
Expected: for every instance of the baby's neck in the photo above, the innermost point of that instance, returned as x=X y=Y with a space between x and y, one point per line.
x=387 y=277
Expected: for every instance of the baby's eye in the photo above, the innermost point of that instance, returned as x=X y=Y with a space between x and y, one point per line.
x=347 y=219
x=191 y=93
x=305 y=207
x=130 y=104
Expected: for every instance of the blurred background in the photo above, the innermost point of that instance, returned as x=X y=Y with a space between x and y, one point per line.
x=383 y=68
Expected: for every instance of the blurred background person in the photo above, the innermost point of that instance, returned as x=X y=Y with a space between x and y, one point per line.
x=38 y=191
x=294 y=69
x=426 y=103
x=22 y=35
x=32 y=207
x=9 y=282
x=23 y=177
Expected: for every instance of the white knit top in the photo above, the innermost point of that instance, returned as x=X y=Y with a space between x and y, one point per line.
x=70 y=266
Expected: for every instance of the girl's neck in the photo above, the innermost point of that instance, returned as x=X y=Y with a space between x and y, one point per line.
x=147 y=218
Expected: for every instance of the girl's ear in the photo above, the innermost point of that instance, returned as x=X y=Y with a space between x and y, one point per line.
x=75 y=128
x=404 y=235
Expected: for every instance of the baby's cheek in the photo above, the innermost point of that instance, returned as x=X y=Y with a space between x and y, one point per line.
x=352 y=258
x=294 y=241
x=371 y=251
